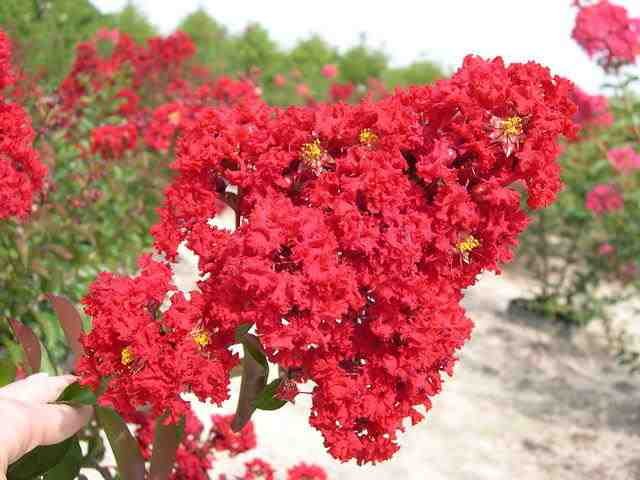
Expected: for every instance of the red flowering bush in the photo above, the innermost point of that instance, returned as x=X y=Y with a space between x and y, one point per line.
x=22 y=175
x=357 y=227
x=606 y=32
x=593 y=110
x=113 y=141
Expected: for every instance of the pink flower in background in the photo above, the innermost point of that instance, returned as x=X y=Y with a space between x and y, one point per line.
x=629 y=271
x=330 y=70
x=604 y=198
x=624 y=159
x=279 y=80
x=303 y=90
x=606 y=32
x=593 y=110
x=606 y=249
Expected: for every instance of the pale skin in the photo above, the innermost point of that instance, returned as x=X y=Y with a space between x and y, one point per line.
x=29 y=419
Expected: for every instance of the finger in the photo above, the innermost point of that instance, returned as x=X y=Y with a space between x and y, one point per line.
x=38 y=388
x=55 y=423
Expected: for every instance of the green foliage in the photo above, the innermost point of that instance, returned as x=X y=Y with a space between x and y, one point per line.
x=359 y=64
x=48 y=31
x=133 y=22
x=210 y=37
x=418 y=73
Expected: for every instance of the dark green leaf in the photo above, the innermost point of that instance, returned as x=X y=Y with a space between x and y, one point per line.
x=39 y=460
x=242 y=330
x=254 y=379
x=267 y=400
x=125 y=447
x=29 y=343
x=165 y=444
x=69 y=467
x=78 y=395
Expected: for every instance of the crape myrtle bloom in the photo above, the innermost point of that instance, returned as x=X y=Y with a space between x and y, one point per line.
x=604 y=198
x=113 y=141
x=341 y=92
x=153 y=344
x=329 y=71
x=624 y=159
x=606 y=32
x=258 y=469
x=305 y=471
x=22 y=174
x=356 y=229
x=593 y=110
x=223 y=438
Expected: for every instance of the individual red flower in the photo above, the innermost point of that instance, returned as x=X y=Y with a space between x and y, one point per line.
x=258 y=470
x=341 y=92
x=605 y=31
x=303 y=90
x=604 y=198
x=329 y=71
x=113 y=141
x=223 y=438
x=624 y=159
x=305 y=471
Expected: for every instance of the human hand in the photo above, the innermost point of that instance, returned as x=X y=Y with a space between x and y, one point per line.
x=29 y=420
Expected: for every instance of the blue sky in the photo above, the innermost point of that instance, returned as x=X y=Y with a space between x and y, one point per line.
x=443 y=31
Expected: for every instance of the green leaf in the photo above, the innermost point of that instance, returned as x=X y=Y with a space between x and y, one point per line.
x=125 y=447
x=165 y=444
x=242 y=330
x=39 y=460
x=267 y=400
x=254 y=379
x=7 y=371
x=69 y=466
x=76 y=394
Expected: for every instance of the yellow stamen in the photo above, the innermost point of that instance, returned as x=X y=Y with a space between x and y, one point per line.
x=312 y=154
x=126 y=356
x=174 y=118
x=368 y=137
x=512 y=126
x=468 y=244
x=202 y=338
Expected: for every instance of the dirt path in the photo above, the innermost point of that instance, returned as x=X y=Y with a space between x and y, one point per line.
x=524 y=403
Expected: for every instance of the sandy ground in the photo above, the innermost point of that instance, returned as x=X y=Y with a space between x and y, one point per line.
x=526 y=402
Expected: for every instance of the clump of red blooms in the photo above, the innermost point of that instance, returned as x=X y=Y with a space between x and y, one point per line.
x=624 y=159
x=605 y=31
x=306 y=472
x=358 y=227
x=604 y=198
x=593 y=110
x=22 y=174
x=341 y=92
x=113 y=141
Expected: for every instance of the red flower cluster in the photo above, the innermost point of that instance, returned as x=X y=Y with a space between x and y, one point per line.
x=22 y=174
x=194 y=457
x=605 y=31
x=112 y=141
x=358 y=226
x=604 y=198
x=306 y=472
x=341 y=92
x=593 y=110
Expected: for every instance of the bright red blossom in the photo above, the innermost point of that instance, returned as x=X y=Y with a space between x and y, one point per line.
x=624 y=159
x=358 y=226
x=113 y=141
x=304 y=471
